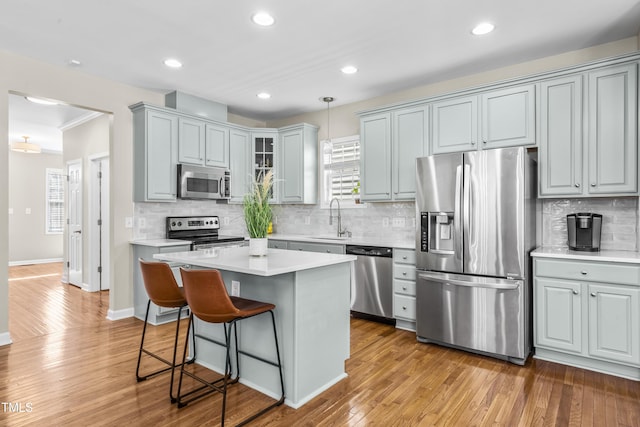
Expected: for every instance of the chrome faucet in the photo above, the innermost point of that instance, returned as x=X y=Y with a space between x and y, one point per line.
x=341 y=232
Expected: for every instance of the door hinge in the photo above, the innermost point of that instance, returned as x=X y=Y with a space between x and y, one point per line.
x=67 y=221
x=99 y=269
x=68 y=265
x=99 y=174
x=99 y=222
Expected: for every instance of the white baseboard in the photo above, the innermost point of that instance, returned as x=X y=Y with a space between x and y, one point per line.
x=34 y=261
x=5 y=339
x=120 y=314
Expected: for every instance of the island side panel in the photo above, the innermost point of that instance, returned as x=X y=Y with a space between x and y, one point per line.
x=322 y=333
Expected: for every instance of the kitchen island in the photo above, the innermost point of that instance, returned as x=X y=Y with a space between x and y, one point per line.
x=311 y=292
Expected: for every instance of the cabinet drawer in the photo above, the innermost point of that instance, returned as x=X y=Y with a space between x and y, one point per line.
x=406 y=272
x=404 y=307
x=277 y=244
x=316 y=247
x=406 y=287
x=404 y=256
x=588 y=271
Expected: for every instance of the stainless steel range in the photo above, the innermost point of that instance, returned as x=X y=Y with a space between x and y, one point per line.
x=203 y=231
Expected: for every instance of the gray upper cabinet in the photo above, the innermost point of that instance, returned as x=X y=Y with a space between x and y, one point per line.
x=239 y=163
x=390 y=143
x=375 y=157
x=506 y=118
x=265 y=144
x=298 y=177
x=216 y=145
x=613 y=140
x=155 y=139
x=191 y=141
x=410 y=141
x=588 y=142
x=560 y=157
x=455 y=125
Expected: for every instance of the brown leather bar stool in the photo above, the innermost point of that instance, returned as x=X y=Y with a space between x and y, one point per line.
x=163 y=291
x=209 y=301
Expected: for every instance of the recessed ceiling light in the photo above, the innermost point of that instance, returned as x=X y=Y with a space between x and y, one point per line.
x=349 y=69
x=483 y=28
x=264 y=95
x=40 y=101
x=263 y=19
x=172 y=63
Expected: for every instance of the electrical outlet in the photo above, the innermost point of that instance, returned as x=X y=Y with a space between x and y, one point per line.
x=235 y=288
x=397 y=222
x=225 y=220
x=307 y=220
x=385 y=222
x=128 y=222
x=274 y=220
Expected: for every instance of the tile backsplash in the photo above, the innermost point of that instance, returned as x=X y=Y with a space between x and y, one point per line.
x=394 y=220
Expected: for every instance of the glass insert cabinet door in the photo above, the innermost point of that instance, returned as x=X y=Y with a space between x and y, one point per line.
x=264 y=150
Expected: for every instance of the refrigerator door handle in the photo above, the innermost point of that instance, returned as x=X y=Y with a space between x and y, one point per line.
x=457 y=229
x=482 y=283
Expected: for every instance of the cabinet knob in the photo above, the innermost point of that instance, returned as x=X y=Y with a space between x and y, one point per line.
x=404 y=273
x=404 y=307
x=404 y=288
x=575 y=292
x=593 y=185
x=328 y=251
x=593 y=294
x=473 y=143
x=583 y=272
x=404 y=257
x=484 y=142
x=577 y=185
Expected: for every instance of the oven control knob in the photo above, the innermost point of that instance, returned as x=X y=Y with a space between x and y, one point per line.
x=173 y=224
x=179 y=224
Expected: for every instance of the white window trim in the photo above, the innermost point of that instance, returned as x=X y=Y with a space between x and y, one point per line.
x=344 y=204
x=48 y=172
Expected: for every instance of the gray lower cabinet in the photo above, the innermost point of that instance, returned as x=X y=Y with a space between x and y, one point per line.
x=157 y=315
x=599 y=159
x=155 y=153
x=587 y=314
x=404 y=288
x=277 y=244
x=316 y=247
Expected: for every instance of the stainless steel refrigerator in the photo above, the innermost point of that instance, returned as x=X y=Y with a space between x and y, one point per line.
x=476 y=226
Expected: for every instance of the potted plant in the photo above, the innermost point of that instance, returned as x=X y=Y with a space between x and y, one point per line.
x=258 y=213
x=356 y=192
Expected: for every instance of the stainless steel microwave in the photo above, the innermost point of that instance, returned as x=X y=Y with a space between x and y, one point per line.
x=198 y=182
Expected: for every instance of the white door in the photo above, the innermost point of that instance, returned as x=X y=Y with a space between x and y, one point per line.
x=74 y=210
x=98 y=240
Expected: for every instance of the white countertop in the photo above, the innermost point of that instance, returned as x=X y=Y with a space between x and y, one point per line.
x=602 y=256
x=366 y=241
x=277 y=261
x=160 y=243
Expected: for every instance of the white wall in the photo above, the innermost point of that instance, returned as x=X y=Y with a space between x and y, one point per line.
x=28 y=240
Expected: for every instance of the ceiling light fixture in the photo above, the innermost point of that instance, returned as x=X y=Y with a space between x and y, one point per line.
x=328 y=100
x=172 y=63
x=349 y=69
x=40 y=101
x=264 y=95
x=26 y=146
x=263 y=19
x=483 y=28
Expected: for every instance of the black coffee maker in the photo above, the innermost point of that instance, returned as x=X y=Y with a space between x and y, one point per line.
x=584 y=231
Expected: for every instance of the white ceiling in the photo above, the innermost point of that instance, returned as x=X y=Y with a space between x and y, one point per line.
x=396 y=45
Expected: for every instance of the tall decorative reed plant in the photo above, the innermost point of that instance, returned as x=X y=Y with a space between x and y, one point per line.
x=257 y=211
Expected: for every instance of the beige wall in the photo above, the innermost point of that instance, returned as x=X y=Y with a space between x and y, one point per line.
x=79 y=143
x=28 y=240
x=345 y=122
x=27 y=76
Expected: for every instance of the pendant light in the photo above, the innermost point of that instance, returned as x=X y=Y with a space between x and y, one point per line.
x=26 y=146
x=328 y=100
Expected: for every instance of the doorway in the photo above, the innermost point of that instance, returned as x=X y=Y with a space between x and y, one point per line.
x=74 y=222
x=99 y=222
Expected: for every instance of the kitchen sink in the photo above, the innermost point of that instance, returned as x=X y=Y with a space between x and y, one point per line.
x=329 y=237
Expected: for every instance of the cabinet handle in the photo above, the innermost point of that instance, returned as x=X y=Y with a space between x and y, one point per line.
x=404 y=257
x=577 y=185
x=575 y=292
x=404 y=273
x=484 y=142
x=404 y=307
x=404 y=288
x=593 y=294
x=583 y=272
x=593 y=185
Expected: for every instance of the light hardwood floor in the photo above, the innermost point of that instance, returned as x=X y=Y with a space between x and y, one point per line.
x=68 y=365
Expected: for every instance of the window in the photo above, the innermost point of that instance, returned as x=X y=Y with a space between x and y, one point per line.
x=55 y=201
x=341 y=170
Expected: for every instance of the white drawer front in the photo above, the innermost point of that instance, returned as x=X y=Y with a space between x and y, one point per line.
x=404 y=307
x=404 y=256
x=405 y=287
x=405 y=272
x=588 y=271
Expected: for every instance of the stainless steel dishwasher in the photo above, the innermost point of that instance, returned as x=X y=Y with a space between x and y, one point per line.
x=372 y=285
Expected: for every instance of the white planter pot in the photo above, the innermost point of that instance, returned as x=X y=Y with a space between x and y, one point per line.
x=258 y=246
